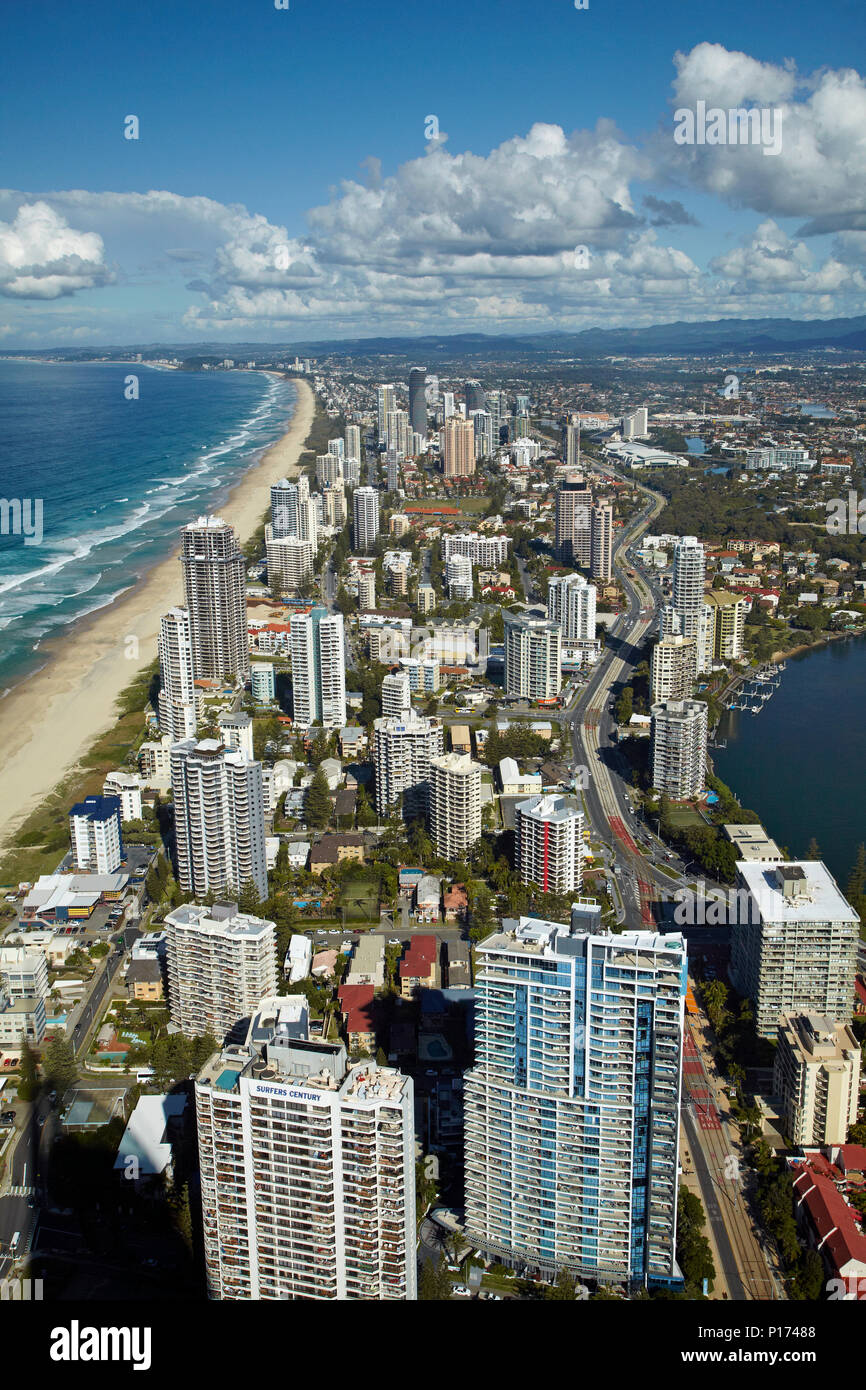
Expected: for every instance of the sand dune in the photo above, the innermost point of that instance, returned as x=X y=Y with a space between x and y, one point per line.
x=49 y=721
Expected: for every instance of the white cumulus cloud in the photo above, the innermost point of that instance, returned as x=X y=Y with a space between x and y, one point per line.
x=42 y=257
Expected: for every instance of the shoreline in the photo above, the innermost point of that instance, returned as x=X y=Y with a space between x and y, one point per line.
x=50 y=719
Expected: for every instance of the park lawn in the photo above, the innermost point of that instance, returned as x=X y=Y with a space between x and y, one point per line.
x=684 y=818
x=472 y=504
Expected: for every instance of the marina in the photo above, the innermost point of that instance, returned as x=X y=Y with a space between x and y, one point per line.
x=756 y=689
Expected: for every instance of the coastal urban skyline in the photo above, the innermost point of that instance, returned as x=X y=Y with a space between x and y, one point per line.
x=425 y=203
x=432 y=576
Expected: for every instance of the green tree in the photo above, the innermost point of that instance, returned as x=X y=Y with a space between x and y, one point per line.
x=317 y=802
x=29 y=1083
x=693 y=1249
x=365 y=814
x=481 y=922
x=625 y=705
x=59 y=1064
x=808 y=1283
x=181 y=1214
x=563 y=1287
x=344 y=602
x=434 y=1282
x=248 y=898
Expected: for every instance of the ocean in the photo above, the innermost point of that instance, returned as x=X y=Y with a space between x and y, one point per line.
x=799 y=762
x=115 y=479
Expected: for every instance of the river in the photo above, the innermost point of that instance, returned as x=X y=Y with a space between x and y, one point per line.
x=800 y=762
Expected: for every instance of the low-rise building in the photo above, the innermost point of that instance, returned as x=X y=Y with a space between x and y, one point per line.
x=357 y=1007
x=829 y=1225
x=752 y=843
x=461 y=738
x=368 y=963
x=71 y=897
x=334 y=849
x=517 y=783
x=419 y=968
x=427 y=897
x=145 y=1151
x=299 y=958
x=458 y=971
x=455 y=903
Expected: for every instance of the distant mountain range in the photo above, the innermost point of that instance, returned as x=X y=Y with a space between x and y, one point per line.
x=712 y=336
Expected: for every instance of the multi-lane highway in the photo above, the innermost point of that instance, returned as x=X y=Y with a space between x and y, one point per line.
x=591 y=723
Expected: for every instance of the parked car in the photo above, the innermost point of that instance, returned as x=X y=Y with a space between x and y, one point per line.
x=7 y=1117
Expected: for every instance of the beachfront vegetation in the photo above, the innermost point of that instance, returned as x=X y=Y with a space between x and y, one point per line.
x=40 y=843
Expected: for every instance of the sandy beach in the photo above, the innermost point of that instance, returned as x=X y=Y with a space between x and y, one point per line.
x=49 y=721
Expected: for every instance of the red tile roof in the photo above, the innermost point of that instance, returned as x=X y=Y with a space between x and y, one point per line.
x=420 y=958
x=838 y=1236
x=852 y=1158
x=356 y=1003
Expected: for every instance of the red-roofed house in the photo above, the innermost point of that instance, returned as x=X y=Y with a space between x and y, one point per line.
x=830 y=1227
x=455 y=903
x=850 y=1159
x=419 y=968
x=356 y=1005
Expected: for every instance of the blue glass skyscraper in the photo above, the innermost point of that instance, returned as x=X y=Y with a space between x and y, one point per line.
x=572 y=1107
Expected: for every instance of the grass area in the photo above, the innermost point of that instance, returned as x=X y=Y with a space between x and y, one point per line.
x=684 y=818
x=497 y=1283
x=472 y=504
x=360 y=900
x=665 y=869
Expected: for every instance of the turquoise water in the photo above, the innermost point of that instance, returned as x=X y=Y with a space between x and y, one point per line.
x=116 y=480
x=799 y=763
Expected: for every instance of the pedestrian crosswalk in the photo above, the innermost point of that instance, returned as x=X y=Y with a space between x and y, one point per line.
x=20 y=1191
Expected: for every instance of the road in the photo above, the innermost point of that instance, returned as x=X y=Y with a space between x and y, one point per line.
x=724 y=1173
x=591 y=723
x=92 y=1005
x=526 y=580
x=18 y=1208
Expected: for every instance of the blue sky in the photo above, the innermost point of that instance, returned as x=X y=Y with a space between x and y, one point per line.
x=253 y=117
